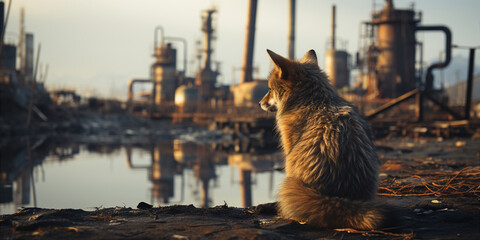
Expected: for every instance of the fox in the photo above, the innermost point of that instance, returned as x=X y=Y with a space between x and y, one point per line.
x=331 y=165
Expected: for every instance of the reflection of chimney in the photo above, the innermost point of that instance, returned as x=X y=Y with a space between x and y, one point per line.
x=249 y=41
x=291 y=32
x=22 y=190
x=204 y=170
x=128 y=152
x=205 y=202
x=246 y=181
x=332 y=46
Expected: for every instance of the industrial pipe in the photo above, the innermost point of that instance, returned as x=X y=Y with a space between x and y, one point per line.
x=471 y=65
x=155 y=37
x=468 y=100
x=33 y=87
x=448 y=53
x=130 y=90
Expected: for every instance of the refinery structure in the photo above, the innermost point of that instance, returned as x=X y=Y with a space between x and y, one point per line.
x=386 y=76
x=389 y=69
x=180 y=97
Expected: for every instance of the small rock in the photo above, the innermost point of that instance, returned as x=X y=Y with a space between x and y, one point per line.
x=144 y=206
x=428 y=211
x=176 y=236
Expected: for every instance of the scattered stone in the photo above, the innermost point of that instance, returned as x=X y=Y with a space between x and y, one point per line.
x=144 y=206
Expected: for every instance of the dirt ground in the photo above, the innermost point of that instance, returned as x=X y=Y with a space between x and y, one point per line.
x=434 y=182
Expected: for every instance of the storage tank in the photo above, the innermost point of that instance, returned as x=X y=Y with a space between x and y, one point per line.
x=337 y=65
x=164 y=73
x=395 y=50
x=186 y=98
x=248 y=94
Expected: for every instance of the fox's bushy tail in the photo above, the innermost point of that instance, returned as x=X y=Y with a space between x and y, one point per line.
x=299 y=202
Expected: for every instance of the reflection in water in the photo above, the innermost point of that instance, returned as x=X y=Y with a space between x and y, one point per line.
x=179 y=172
x=20 y=164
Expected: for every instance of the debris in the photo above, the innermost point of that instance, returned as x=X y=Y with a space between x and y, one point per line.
x=144 y=206
x=176 y=236
x=462 y=182
x=460 y=143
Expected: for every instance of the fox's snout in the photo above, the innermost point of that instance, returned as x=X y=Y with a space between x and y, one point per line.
x=267 y=103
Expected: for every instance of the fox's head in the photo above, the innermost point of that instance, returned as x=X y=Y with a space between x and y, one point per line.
x=283 y=78
x=268 y=102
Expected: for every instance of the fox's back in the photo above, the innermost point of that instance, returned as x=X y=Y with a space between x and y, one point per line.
x=333 y=152
x=331 y=164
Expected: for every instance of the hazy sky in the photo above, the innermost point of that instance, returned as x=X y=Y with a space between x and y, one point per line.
x=96 y=46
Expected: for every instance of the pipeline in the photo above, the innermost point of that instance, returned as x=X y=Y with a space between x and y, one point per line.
x=155 y=37
x=448 y=53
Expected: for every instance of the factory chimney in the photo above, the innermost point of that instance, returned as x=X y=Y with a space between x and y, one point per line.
x=332 y=44
x=249 y=41
x=336 y=60
x=207 y=28
x=291 y=32
x=2 y=17
x=206 y=77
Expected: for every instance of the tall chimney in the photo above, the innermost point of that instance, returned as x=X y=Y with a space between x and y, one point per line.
x=249 y=41
x=332 y=46
x=21 y=42
x=291 y=32
x=207 y=28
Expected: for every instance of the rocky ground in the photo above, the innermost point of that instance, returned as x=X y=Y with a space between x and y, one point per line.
x=434 y=182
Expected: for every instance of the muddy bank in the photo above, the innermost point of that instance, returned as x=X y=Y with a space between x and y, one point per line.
x=434 y=182
x=421 y=218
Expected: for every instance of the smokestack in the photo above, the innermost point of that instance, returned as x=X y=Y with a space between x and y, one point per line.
x=207 y=28
x=291 y=32
x=249 y=41
x=332 y=46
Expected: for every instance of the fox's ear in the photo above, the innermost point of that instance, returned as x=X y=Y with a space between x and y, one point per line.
x=280 y=62
x=310 y=57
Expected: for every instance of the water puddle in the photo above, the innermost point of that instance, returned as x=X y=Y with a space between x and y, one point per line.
x=70 y=174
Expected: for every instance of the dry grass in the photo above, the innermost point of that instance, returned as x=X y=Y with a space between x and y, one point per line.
x=465 y=182
x=404 y=236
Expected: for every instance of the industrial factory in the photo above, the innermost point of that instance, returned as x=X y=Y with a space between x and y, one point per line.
x=389 y=70
x=176 y=95
x=22 y=87
x=387 y=75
